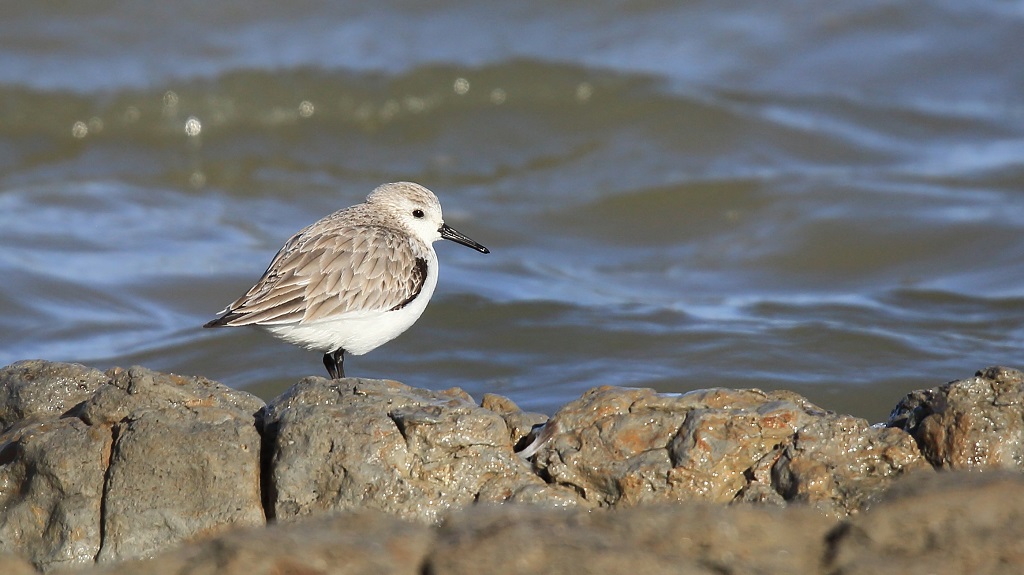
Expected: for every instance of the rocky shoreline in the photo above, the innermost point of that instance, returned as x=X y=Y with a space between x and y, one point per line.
x=133 y=471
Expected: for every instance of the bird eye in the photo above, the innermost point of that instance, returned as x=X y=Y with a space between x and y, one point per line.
x=417 y=213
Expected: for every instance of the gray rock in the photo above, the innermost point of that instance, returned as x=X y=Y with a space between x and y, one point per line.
x=972 y=423
x=365 y=542
x=185 y=461
x=962 y=522
x=42 y=388
x=51 y=490
x=142 y=461
x=357 y=443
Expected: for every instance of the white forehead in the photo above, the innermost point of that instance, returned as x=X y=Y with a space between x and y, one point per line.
x=403 y=195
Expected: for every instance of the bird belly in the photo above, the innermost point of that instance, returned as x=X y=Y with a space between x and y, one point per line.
x=357 y=332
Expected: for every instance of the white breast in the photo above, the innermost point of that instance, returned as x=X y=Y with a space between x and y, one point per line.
x=360 y=332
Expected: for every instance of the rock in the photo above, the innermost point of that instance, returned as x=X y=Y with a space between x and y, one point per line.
x=972 y=423
x=519 y=422
x=51 y=491
x=11 y=564
x=726 y=431
x=358 y=443
x=41 y=388
x=837 y=463
x=692 y=538
x=689 y=538
x=190 y=433
x=953 y=522
x=365 y=542
x=127 y=464
x=143 y=461
x=631 y=446
x=625 y=447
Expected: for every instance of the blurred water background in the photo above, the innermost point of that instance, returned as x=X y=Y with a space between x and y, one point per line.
x=824 y=197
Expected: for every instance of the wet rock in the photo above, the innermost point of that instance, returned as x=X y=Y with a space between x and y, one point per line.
x=357 y=443
x=837 y=463
x=624 y=447
x=143 y=461
x=971 y=423
x=953 y=522
x=42 y=388
x=365 y=542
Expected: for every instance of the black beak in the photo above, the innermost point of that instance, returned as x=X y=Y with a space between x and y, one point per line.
x=450 y=233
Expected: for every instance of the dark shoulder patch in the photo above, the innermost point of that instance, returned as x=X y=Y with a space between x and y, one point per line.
x=416 y=281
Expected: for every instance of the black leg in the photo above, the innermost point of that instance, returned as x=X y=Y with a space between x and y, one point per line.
x=335 y=363
x=339 y=360
x=332 y=370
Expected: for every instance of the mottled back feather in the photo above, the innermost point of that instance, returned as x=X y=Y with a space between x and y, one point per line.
x=332 y=268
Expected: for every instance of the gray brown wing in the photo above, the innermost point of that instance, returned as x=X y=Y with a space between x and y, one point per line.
x=350 y=270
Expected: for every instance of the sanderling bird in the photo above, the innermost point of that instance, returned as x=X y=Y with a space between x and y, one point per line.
x=353 y=280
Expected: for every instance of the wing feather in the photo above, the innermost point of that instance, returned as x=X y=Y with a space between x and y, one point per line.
x=340 y=270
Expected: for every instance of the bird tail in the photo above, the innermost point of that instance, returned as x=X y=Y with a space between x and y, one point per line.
x=224 y=320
